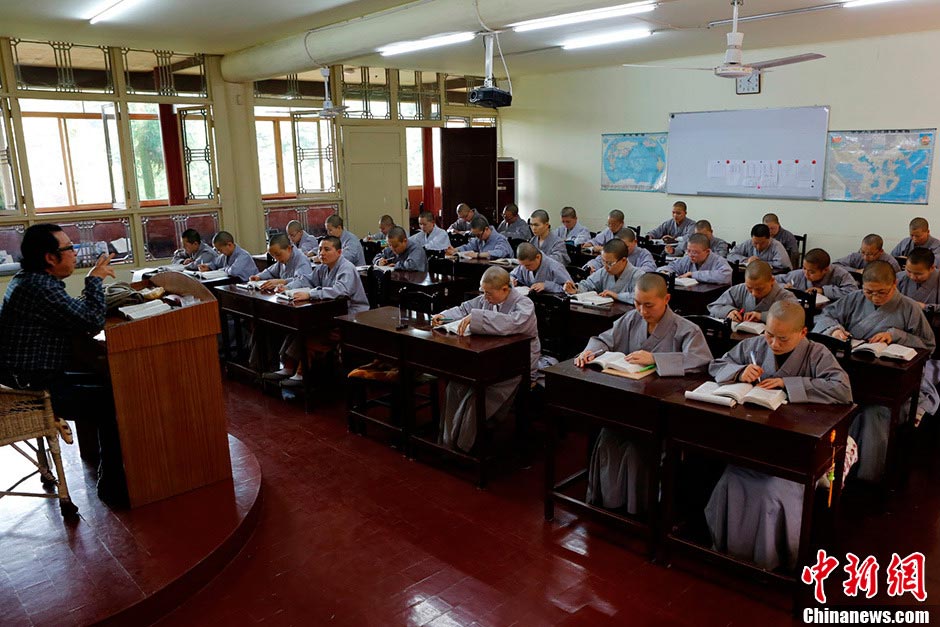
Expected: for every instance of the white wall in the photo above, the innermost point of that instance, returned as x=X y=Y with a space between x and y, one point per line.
x=554 y=126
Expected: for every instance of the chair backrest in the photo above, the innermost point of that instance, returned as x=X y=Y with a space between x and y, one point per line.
x=577 y=273
x=839 y=348
x=648 y=244
x=659 y=257
x=459 y=239
x=801 y=251
x=670 y=279
x=635 y=229
x=717 y=333
x=552 y=312
x=378 y=286
x=442 y=265
x=807 y=302
x=434 y=254
x=514 y=243
x=737 y=272
x=902 y=260
x=572 y=249
x=414 y=300
x=370 y=249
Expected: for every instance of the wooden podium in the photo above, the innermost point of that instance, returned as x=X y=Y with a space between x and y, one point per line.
x=168 y=395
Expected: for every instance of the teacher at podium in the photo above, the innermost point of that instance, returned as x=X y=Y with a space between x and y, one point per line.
x=40 y=322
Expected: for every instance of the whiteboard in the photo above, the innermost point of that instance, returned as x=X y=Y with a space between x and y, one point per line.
x=765 y=153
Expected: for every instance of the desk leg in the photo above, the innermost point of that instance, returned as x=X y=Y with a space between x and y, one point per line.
x=892 y=478
x=667 y=509
x=484 y=436
x=308 y=377
x=226 y=343
x=655 y=460
x=551 y=445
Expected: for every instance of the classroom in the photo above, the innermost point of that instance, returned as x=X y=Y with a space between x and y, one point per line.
x=265 y=265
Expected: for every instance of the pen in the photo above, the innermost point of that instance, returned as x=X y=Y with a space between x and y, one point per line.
x=754 y=361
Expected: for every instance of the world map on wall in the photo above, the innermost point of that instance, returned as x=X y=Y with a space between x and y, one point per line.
x=879 y=166
x=633 y=162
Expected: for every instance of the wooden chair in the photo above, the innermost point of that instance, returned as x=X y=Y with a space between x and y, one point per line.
x=635 y=229
x=717 y=333
x=378 y=284
x=434 y=254
x=670 y=279
x=370 y=249
x=577 y=273
x=807 y=302
x=552 y=312
x=902 y=260
x=442 y=265
x=573 y=250
x=514 y=244
x=25 y=415
x=840 y=348
x=737 y=272
x=797 y=258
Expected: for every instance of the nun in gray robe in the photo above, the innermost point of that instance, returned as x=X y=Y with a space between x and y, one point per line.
x=550 y=273
x=621 y=285
x=905 y=321
x=552 y=246
x=737 y=297
x=514 y=315
x=835 y=284
x=618 y=475
x=751 y=515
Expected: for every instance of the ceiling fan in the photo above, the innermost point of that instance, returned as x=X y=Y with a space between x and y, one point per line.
x=329 y=110
x=734 y=67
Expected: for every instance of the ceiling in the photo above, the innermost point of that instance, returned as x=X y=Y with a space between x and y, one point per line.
x=188 y=26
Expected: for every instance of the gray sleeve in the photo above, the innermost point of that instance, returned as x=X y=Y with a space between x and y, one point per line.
x=724 y=305
x=695 y=356
x=609 y=339
x=831 y=317
x=829 y=383
x=738 y=253
x=725 y=369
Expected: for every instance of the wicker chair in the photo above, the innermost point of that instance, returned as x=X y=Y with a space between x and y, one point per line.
x=25 y=415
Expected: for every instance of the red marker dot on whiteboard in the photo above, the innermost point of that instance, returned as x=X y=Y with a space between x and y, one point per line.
x=729 y=161
x=796 y=161
x=814 y=162
x=779 y=161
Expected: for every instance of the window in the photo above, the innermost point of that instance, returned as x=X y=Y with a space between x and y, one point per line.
x=457 y=88
x=456 y=121
x=9 y=197
x=67 y=151
x=164 y=73
x=419 y=95
x=11 y=237
x=294 y=143
x=306 y=85
x=312 y=217
x=62 y=67
x=366 y=93
x=163 y=234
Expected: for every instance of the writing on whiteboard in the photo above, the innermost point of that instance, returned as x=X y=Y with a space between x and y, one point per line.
x=764 y=174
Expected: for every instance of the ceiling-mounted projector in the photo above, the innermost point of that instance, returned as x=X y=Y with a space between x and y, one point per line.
x=489 y=95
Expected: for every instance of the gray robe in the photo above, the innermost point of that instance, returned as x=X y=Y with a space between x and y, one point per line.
x=837 y=283
x=496 y=245
x=297 y=266
x=517 y=230
x=857 y=262
x=905 y=321
x=716 y=245
x=514 y=315
x=602 y=238
x=904 y=248
x=239 y=264
x=552 y=247
x=549 y=272
x=578 y=235
x=437 y=240
x=352 y=248
x=737 y=297
x=788 y=240
x=618 y=474
x=412 y=258
x=752 y=515
x=204 y=255
x=714 y=269
x=775 y=254
x=669 y=227
x=927 y=292
x=640 y=258
x=308 y=243
x=461 y=225
x=623 y=285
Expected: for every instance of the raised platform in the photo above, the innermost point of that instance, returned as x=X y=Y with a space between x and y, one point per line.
x=117 y=567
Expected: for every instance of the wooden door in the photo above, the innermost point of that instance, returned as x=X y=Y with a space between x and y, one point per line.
x=468 y=172
x=376 y=170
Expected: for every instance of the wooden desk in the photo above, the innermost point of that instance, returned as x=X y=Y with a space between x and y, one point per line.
x=473 y=269
x=267 y=311
x=143 y=275
x=447 y=291
x=696 y=299
x=171 y=419
x=588 y=399
x=477 y=360
x=586 y=322
x=792 y=442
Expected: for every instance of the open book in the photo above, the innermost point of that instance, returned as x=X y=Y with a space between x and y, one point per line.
x=144 y=310
x=685 y=281
x=173 y=267
x=209 y=275
x=451 y=327
x=754 y=327
x=592 y=298
x=733 y=393
x=250 y=285
x=506 y=261
x=822 y=299
x=469 y=254
x=613 y=362
x=884 y=351
x=522 y=289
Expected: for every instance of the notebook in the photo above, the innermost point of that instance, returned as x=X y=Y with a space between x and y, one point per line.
x=144 y=310
x=592 y=298
x=734 y=393
x=685 y=281
x=884 y=351
x=613 y=362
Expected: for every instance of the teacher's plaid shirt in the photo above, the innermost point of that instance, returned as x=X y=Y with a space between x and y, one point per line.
x=38 y=320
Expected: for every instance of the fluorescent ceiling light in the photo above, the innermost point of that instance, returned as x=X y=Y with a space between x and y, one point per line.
x=584 y=16
x=424 y=44
x=110 y=10
x=863 y=3
x=606 y=38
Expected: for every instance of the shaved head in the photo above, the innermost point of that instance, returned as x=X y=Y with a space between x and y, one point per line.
x=495 y=277
x=879 y=272
x=652 y=283
x=759 y=270
x=788 y=313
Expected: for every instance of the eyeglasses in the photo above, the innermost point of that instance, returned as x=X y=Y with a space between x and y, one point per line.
x=65 y=249
x=611 y=264
x=883 y=292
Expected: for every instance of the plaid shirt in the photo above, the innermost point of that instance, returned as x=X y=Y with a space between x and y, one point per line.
x=38 y=320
